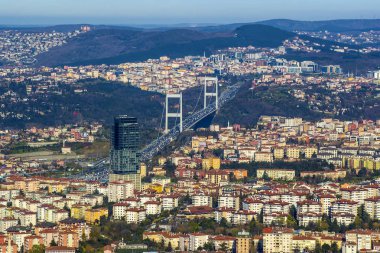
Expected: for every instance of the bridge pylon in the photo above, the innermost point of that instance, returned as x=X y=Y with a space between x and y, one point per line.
x=173 y=114
x=214 y=83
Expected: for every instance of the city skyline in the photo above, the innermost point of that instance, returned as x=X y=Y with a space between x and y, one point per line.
x=117 y=12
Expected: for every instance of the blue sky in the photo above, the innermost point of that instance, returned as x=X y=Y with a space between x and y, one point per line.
x=179 y=11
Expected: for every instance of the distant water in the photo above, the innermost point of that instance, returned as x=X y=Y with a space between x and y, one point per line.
x=206 y=122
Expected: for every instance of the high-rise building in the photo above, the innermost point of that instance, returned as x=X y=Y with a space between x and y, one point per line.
x=124 y=155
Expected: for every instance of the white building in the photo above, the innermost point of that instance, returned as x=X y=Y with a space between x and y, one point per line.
x=119 y=190
x=197 y=240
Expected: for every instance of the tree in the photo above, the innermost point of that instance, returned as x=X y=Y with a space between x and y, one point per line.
x=232 y=177
x=224 y=247
x=255 y=227
x=363 y=219
x=103 y=220
x=169 y=248
x=318 y=248
x=67 y=209
x=334 y=248
x=362 y=172
x=37 y=249
x=325 y=248
x=334 y=227
x=223 y=222
x=260 y=217
x=53 y=243
x=364 y=216
x=186 y=200
x=265 y=176
x=162 y=244
x=291 y=222
x=260 y=246
x=218 y=152
x=324 y=223
x=293 y=211
x=209 y=246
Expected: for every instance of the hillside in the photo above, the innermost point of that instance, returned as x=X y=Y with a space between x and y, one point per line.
x=108 y=43
x=100 y=101
x=113 y=46
x=342 y=25
x=249 y=105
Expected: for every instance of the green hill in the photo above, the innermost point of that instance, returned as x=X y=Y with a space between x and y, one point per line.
x=113 y=46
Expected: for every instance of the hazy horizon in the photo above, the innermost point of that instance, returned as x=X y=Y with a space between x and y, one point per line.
x=169 y=12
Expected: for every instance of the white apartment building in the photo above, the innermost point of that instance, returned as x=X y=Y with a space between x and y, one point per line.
x=278 y=240
x=344 y=206
x=276 y=206
x=277 y=218
x=326 y=201
x=254 y=205
x=355 y=194
x=201 y=200
x=229 y=201
x=372 y=207
x=361 y=237
x=307 y=206
x=307 y=217
x=197 y=240
x=349 y=247
x=152 y=207
x=135 y=215
x=343 y=218
x=119 y=210
x=169 y=202
x=119 y=190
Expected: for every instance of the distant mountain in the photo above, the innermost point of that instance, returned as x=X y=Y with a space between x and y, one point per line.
x=339 y=25
x=342 y=25
x=113 y=46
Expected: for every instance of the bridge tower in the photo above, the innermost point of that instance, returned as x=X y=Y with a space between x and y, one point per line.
x=173 y=114
x=214 y=83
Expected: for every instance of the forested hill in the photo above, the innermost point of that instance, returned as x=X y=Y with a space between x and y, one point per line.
x=113 y=46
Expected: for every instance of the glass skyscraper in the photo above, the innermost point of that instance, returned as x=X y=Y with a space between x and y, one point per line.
x=124 y=156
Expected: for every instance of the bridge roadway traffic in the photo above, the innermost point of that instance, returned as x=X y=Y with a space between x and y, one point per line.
x=101 y=169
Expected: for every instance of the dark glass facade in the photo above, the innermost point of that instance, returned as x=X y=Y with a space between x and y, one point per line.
x=125 y=138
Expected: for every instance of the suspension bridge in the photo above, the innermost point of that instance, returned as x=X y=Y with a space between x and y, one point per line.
x=212 y=101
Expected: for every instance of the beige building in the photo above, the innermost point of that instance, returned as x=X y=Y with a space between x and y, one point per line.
x=293 y=152
x=361 y=237
x=279 y=153
x=303 y=242
x=264 y=157
x=243 y=242
x=118 y=190
x=211 y=163
x=278 y=240
x=277 y=173
x=372 y=207
x=310 y=151
x=134 y=178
